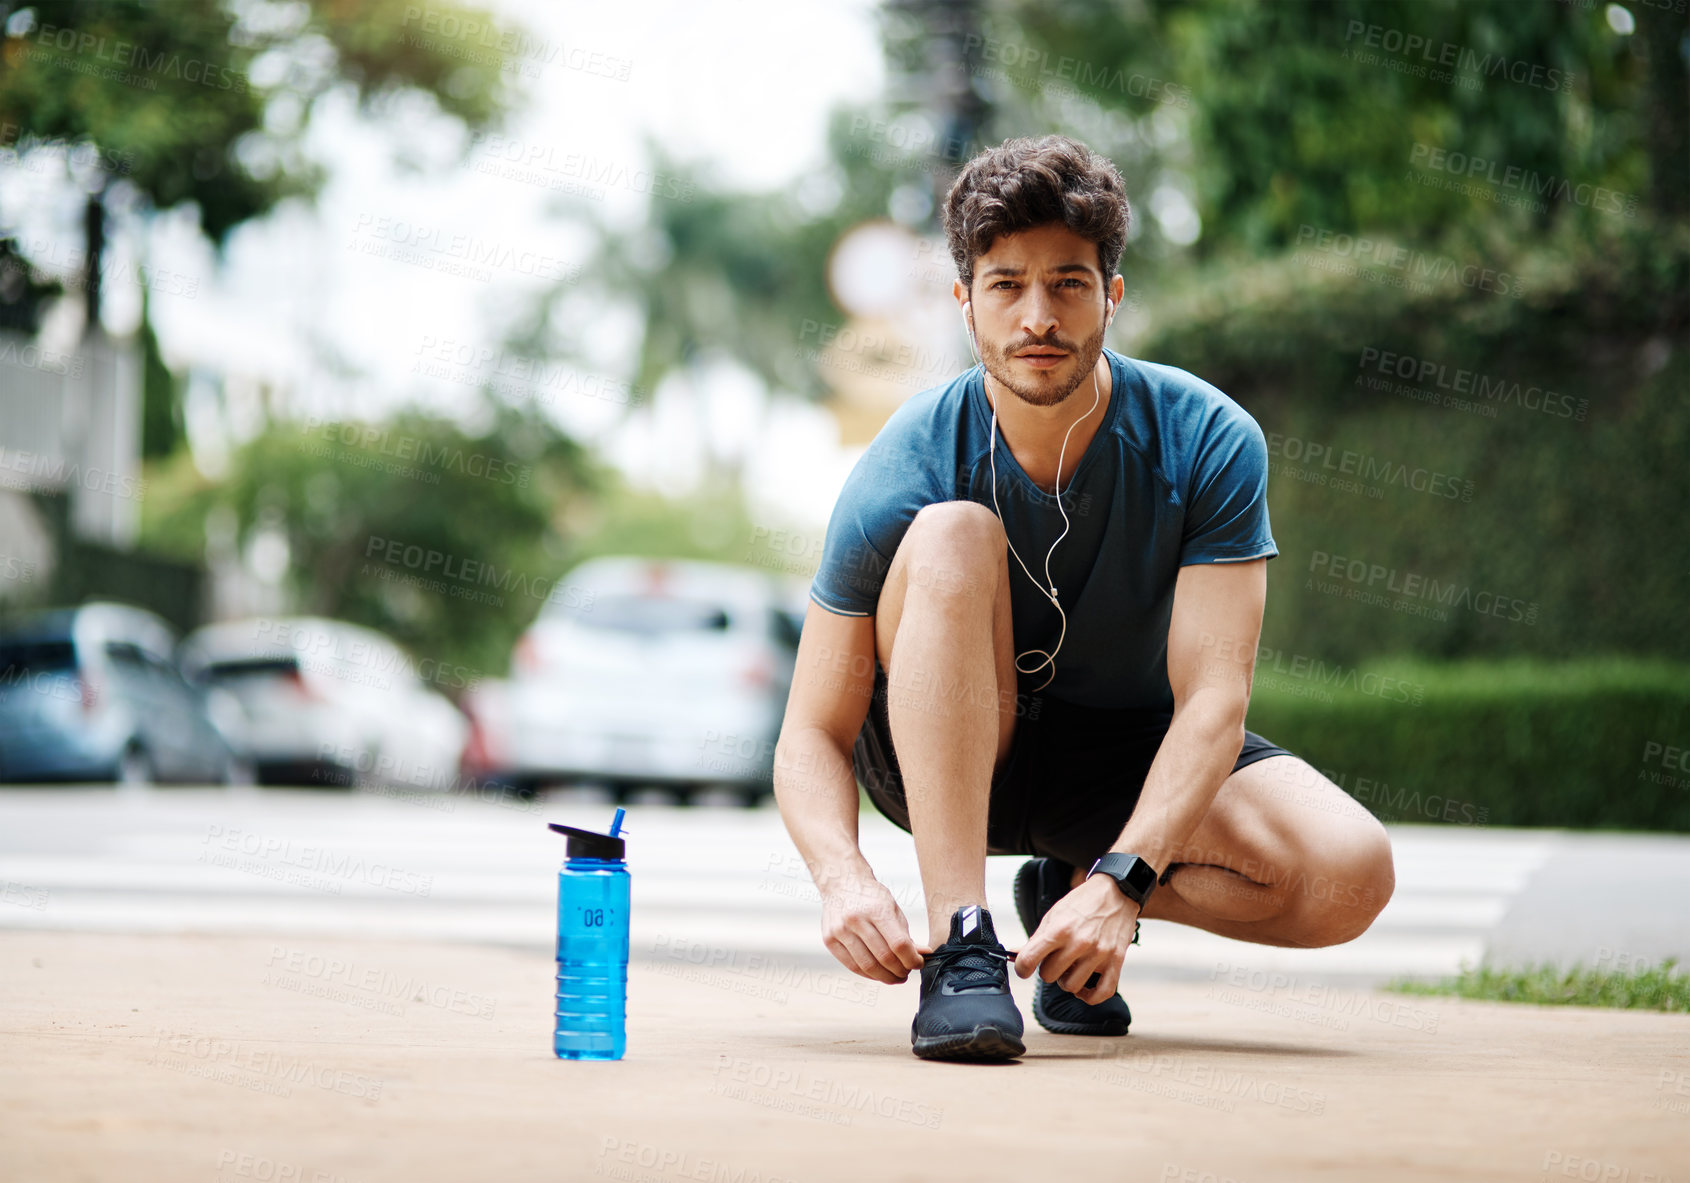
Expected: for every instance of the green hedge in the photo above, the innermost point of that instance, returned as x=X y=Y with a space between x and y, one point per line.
x=1574 y=512
x=1517 y=743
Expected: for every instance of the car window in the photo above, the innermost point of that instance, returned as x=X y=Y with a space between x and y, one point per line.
x=21 y=658
x=785 y=627
x=257 y=668
x=652 y=615
x=126 y=656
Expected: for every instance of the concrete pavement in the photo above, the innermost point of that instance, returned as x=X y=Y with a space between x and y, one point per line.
x=226 y=1059
x=345 y=988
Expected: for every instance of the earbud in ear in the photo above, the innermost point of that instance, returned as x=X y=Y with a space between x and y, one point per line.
x=1109 y=312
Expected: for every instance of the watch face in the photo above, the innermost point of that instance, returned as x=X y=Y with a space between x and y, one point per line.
x=1135 y=877
x=1140 y=875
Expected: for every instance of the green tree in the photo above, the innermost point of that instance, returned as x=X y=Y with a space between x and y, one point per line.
x=709 y=272
x=161 y=401
x=1265 y=116
x=447 y=541
x=23 y=292
x=1285 y=115
x=202 y=102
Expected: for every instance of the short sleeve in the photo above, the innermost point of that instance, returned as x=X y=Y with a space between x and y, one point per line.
x=879 y=501
x=1226 y=518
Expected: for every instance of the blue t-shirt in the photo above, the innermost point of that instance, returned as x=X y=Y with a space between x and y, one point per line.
x=1176 y=474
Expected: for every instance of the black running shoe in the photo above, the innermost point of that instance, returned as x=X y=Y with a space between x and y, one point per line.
x=1038 y=885
x=966 y=1011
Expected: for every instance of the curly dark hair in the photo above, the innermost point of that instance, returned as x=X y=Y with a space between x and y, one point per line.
x=1023 y=183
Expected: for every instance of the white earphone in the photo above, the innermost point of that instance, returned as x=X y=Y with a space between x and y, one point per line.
x=1048 y=587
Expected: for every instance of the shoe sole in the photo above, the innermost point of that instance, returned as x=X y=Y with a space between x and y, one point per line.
x=983 y=1044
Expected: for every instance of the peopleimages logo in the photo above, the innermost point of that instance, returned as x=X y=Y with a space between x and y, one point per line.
x=544 y=163
x=1441 y=60
x=1526 y=181
x=446 y=25
x=401 y=446
x=241 y=849
x=1414 y=586
x=1312 y=671
x=450 y=251
x=1368 y=468
x=426 y=561
x=1411 y=266
x=38 y=469
x=157 y=62
x=1488 y=387
x=31 y=356
x=1040 y=67
x=337 y=654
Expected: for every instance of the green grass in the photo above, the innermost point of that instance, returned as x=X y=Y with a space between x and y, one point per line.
x=1657 y=988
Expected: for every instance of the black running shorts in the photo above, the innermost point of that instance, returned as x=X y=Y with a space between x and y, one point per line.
x=1070 y=783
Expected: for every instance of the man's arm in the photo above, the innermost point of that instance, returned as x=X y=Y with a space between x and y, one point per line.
x=1212 y=636
x=816 y=789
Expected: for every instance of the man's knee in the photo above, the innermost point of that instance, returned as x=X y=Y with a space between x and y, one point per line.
x=1350 y=883
x=953 y=547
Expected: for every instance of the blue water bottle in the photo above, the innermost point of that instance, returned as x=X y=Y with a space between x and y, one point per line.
x=592 y=946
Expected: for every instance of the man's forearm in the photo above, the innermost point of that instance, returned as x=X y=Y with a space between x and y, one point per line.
x=816 y=789
x=1196 y=757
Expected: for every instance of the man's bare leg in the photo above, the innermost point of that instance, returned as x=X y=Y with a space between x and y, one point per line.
x=943 y=633
x=1283 y=857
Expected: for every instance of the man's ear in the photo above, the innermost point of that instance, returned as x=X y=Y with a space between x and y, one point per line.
x=959 y=292
x=1117 y=289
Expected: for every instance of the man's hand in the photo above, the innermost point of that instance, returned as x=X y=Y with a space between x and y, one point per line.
x=865 y=929
x=1086 y=932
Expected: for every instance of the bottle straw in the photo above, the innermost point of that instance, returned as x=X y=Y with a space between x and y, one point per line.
x=616 y=822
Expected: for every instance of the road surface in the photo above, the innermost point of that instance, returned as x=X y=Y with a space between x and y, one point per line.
x=724 y=882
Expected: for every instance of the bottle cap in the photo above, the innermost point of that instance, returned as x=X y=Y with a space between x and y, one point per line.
x=591 y=844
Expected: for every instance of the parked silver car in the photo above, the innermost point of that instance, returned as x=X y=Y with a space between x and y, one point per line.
x=330 y=703
x=92 y=694
x=646 y=672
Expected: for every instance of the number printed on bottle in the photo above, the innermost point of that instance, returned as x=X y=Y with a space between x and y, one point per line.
x=593 y=917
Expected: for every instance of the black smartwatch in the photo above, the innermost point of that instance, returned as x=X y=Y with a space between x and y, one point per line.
x=1135 y=877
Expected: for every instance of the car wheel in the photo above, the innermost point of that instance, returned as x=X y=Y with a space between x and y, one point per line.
x=683 y=794
x=751 y=796
x=523 y=788
x=328 y=774
x=134 y=768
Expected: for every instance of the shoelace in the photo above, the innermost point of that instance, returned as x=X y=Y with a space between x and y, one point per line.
x=978 y=964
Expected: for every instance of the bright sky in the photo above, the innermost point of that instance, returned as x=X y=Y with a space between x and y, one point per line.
x=338 y=305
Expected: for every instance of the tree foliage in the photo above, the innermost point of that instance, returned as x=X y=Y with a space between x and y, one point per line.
x=447 y=541
x=1295 y=114
x=207 y=102
x=712 y=273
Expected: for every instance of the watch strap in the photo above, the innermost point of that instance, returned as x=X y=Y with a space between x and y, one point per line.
x=1136 y=878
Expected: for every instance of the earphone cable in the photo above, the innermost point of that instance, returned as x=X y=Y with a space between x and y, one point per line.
x=1048 y=589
